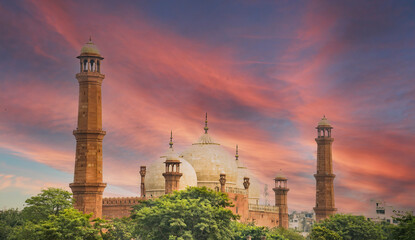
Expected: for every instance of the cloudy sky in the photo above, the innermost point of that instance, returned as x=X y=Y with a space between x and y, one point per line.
x=265 y=71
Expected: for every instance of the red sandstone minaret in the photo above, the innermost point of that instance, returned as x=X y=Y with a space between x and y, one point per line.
x=281 y=189
x=324 y=177
x=172 y=174
x=88 y=187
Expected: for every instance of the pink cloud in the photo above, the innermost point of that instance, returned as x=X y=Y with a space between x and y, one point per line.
x=157 y=80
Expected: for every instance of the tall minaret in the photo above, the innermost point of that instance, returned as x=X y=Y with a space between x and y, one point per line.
x=88 y=187
x=281 y=189
x=324 y=177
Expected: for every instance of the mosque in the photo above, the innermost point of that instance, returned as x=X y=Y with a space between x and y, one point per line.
x=204 y=163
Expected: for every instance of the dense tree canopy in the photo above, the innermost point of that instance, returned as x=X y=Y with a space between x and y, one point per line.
x=9 y=219
x=48 y=215
x=70 y=224
x=123 y=228
x=49 y=202
x=196 y=213
x=348 y=227
x=405 y=230
x=322 y=233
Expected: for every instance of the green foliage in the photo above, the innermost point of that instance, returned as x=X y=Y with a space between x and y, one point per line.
x=70 y=224
x=348 y=227
x=49 y=202
x=387 y=229
x=48 y=215
x=322 y=233
x=122 y=229
x=196 y=213
x=9 y=219
x=286 y=233
x=405 y=230
x=241 y=231
x=216 y=199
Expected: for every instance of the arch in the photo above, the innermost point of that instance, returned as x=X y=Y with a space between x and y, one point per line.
x=85 y=63
x=92 y=63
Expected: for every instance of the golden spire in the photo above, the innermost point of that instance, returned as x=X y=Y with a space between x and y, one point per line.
x=206 y=122
x=171 y=139
x=236 y=154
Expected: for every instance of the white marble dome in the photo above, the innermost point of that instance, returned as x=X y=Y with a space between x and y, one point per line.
x=210 y=159
x=155 y=181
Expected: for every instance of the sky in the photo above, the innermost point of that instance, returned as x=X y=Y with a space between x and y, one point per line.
x=265 y=71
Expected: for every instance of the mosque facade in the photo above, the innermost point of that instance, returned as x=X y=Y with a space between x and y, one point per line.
x=204 y=163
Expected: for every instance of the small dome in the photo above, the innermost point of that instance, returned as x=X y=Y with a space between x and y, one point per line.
x=90 y=49
x=171 y=155
x=324 y=122
x=280 y=176
x=155 y=182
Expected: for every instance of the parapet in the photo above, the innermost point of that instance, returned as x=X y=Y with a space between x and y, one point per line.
x=263 y=208
x=111 y=201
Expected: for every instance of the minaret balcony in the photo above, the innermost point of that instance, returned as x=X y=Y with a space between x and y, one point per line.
x=88 y=74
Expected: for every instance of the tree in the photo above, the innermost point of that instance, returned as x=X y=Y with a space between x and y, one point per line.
x=50 y=201
x=9 y=219
x=69 y=224
x=387 y=229
x=122 y=229
x=243 y=230
x=322 y=233
x=405 y=230
x=286 y=233
x=348 y=227
x=195 y=213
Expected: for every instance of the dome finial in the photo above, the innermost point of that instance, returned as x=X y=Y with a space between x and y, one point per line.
x=280 y=176
x=206 y=126
x=90 y=38
x=171 y=139
x=236 y=153
x=324 y=121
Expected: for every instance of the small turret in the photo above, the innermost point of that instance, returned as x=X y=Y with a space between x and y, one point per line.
x=281 y=189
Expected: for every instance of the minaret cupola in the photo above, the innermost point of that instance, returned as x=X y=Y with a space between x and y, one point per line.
x=90 y=58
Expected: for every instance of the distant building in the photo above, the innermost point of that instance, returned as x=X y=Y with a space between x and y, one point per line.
x=379 y=211
x=302 y=221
